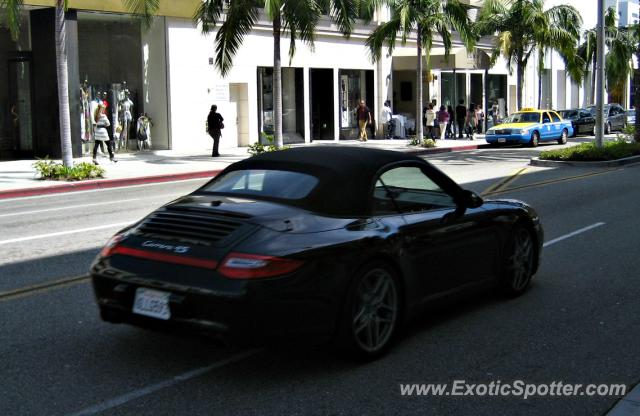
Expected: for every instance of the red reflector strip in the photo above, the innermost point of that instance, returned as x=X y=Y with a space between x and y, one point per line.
x=167 y=258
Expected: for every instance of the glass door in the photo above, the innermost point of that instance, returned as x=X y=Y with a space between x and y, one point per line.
x=20 y=104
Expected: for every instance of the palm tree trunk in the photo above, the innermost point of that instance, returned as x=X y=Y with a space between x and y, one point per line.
x=419 y=87
x=519 y=82
x=277 y=82
x=63 y=85
x=540 y=71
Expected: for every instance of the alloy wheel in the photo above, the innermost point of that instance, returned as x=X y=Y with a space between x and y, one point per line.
x=521 y=260
x=563 y=137
x=375 y=310
x=535 y=139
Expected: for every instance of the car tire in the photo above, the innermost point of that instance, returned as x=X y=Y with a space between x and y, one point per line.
x=371 y=313
x=535 y=139
x=607 y=128
x=563 y=137
x=518 y=261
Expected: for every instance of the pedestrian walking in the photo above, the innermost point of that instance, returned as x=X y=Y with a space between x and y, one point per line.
x=215 y=124
x=429 y=117
x=101 y=135
x=387 y=119
x=451 y=125
x=461 y=116
x=480 y=118
x=364 y=118
x=494 y=114
x=471 y=121
x=443 y=120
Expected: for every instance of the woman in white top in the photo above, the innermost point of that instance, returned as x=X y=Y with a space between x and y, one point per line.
x=101 y=122
x=429 y=118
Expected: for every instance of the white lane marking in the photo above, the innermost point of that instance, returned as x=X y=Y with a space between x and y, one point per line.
x=68 y=207
x=89 y=205
x=573 y=234
x=120 y=400
x=81 y=230
x=115 y=188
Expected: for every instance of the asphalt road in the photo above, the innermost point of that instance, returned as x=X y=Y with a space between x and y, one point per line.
x=579 y=323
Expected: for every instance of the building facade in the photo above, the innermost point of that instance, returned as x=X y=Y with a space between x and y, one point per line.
x=168 y=74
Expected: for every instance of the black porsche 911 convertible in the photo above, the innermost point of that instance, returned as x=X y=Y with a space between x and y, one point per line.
x=322 y=244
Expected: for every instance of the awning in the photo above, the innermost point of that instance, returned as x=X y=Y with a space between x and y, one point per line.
x=404 y=59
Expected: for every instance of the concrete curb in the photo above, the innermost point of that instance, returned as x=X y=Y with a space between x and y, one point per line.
x=114 y=183
x=105 y=183
x=447 y=149
x=600 y=164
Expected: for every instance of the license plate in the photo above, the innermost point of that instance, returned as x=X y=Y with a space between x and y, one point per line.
x=153 y=303
x=502 y=140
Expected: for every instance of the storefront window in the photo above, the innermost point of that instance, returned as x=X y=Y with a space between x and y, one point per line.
x=111 y=73
x=354 y=85
x=292 y=103
x=453 y=88
x=16 y=124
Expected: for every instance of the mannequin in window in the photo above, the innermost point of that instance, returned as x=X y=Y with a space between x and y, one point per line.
x=126 y=106
x=143 y=131
x=85 y=114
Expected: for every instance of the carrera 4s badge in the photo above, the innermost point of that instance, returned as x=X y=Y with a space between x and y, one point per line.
x=167 y=247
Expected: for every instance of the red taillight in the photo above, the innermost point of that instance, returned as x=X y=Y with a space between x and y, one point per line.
x=107 y=250
x=253 y=266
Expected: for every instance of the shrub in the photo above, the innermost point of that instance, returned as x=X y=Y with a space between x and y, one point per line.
x=413 y=141
x=428 y=143
x=590 y=152
x=257 y=148
x=48 y=169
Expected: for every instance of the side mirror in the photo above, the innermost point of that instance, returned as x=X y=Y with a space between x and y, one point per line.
x=546 y=120
x=471 y=200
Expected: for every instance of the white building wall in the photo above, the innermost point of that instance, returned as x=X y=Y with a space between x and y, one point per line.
x=195 y=84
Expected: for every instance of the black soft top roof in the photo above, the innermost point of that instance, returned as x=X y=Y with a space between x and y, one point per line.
x=345 y=174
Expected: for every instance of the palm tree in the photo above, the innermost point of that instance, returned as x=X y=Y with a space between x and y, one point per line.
x=587 y=52
x=297 y=19
x=563 y=41
x=521 y=26
x=13 y=9
x=428 y=19
x=621 y=43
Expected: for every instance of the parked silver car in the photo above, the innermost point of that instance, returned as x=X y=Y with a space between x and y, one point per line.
x=631 y=117
x=615 y=117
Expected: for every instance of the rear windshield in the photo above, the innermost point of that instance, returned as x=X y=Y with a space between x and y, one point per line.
x=569 y=113
x=265 y=183
x=523 y=118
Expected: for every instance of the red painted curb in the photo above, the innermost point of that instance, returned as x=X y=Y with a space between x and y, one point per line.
x=105 y=183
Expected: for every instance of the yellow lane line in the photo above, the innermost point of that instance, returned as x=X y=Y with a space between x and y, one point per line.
x=552 y=181
x=42 y=287
x=502 y=183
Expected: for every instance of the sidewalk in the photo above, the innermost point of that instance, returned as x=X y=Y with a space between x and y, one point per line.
x=17 y=178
